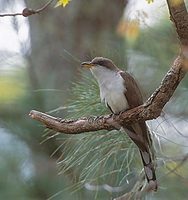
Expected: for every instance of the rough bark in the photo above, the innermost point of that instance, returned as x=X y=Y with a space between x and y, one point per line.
x=179 y=16
x=150 y=110
x=81 y=28
x=153 y=106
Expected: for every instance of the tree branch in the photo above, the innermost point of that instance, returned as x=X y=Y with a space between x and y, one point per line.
x=27 y=11
x=179 y=16
x=153 y=106
x=150 y=110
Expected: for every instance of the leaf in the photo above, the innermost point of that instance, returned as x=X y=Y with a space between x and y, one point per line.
x=62 y=3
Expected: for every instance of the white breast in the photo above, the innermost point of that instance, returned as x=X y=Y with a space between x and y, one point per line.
x=112 y=88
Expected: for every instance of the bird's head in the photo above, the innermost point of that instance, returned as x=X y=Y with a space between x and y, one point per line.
x=100 y=63
x=100 y=67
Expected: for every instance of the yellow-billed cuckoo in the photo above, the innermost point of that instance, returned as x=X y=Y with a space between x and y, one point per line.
x=120 y=92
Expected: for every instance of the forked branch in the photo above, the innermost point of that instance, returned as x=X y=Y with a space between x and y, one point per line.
x=150 y=110
x=153 y=106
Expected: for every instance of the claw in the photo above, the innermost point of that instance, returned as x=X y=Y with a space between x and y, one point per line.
x=113 y=115
x=93 y=118
x=59 y=119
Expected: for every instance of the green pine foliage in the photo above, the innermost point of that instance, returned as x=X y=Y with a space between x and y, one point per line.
x=98 y=158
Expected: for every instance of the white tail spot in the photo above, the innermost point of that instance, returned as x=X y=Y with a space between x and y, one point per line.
x=146 y=157
x=148 y=172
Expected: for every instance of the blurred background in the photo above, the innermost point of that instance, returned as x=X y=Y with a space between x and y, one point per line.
x=40 y=60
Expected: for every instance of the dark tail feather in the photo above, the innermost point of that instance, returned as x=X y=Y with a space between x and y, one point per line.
x=141 y=137
x=149 y=169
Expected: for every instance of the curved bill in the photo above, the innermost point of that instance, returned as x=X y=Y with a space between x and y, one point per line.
x=87 y=64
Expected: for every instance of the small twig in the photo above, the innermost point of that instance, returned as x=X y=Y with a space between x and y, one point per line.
x=10 y=15
x=28 y=11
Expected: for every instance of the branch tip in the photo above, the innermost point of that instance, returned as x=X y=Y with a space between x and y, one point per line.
x=27 y=11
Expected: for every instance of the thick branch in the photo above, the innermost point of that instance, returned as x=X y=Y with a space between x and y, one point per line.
x=73 y=126
x=27 y=11
x=179 y=16
x=150 y=110
x=153 y=106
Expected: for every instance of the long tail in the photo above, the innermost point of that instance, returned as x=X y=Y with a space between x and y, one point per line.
x=149 y=169
x=140 y=135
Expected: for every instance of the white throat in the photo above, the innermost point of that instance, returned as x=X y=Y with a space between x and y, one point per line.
x=112 y=88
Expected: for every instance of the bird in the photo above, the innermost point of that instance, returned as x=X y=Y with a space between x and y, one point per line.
x=120 y=92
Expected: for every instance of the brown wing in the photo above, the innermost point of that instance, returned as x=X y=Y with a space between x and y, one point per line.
x=132 y=93
x=134 y=99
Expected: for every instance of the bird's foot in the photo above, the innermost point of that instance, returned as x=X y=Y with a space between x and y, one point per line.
x=94 y=118
x=59 y=119
x=113 y=115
